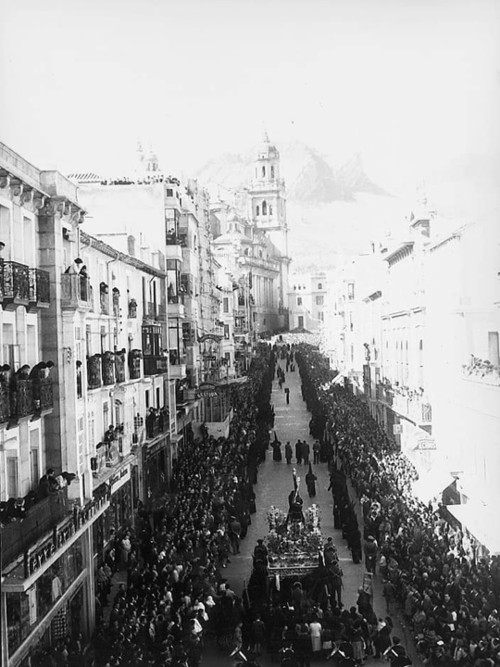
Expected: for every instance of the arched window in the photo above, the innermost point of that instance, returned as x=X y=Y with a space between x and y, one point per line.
x=270 y=209
x=260 y=254
x=320 y=285
x=272 y=171
x=264 y=208
x=257 y=210
x=263 y=171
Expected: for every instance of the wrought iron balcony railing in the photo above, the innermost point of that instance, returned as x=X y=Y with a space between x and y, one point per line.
x=154 y=364
x=94 y=371
x=120 y=366
x=19 y=536
x=4 y=399
x=15 y=284
x=157 y=421
x=108 y=368
x=39 y=288
x=134 y=364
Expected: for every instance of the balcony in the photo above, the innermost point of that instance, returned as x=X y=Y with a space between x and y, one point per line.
x=120 y=366
x=4 y=398
x=151 y=311
x=19 y=536
x=132 y=309
x=177 y=365
x=76 y=292
x=157 y=422
x=385 y=394
x=39 y=288
x=481 y=370
x=15 y=285
x=411 y=405
x=176 y=306
x=174 y=251
x=154 y=365
x=108 y=368
x=116 y=302
x=94 y=371
x=134 y=364
x=104 y=298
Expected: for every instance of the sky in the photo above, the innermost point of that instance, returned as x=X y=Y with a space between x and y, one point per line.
x=407 y=83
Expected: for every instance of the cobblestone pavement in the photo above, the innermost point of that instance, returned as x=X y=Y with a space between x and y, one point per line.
x=273 y=486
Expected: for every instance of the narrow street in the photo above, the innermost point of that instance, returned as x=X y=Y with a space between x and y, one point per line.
x=274 y=484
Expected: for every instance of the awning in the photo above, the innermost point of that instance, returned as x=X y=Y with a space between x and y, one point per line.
x=482 y=523
x=430 y=485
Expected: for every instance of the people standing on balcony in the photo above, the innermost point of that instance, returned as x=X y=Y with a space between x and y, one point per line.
x=48 y=485
x=75 y=266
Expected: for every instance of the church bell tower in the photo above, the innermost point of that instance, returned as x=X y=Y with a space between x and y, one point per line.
x=268 y=195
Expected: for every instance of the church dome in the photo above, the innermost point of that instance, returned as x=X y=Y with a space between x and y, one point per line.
x=266 y=148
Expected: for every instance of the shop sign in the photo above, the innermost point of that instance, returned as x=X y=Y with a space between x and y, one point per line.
x=425 y=443
x=115 y=481
x=35 y=558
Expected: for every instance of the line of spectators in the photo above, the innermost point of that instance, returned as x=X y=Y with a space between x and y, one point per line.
x=449 y=597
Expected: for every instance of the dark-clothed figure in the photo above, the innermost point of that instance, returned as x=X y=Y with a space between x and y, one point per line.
x=311 y=482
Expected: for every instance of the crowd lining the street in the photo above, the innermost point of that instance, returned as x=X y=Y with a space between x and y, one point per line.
x=449 y=596
x=176 y=598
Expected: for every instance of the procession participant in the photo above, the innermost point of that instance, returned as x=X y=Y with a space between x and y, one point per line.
x=311 y=482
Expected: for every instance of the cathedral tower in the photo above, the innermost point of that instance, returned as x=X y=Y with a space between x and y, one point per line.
x=268 y=195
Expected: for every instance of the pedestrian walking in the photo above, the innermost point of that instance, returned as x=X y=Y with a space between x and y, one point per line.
x=288 y=452
x=287 y=395
x=316 y=452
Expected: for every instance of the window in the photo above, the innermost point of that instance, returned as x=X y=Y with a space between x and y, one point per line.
x=320 y=300
x=35 y=469
x=299 y=301
x=321 y=317
x=12 y=481
x=257 y=210
x=270 y=209
x=272 y=171
x=170 y=192
x=301 y=322
x=225 y=304
x=320 y=285
x=263 y=172
x=493 y=348
x=264 y=208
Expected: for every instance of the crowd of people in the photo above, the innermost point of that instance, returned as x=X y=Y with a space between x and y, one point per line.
x=175 y=555
x=449 y=597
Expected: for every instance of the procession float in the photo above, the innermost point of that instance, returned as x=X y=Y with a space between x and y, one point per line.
x=293 y=551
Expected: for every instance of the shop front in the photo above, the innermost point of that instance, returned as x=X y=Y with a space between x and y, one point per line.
x=47 y=595
x=155 y=468
x=120 y=514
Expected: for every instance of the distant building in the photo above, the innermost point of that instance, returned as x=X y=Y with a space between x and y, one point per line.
x=307 y=301
x=250 y=240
